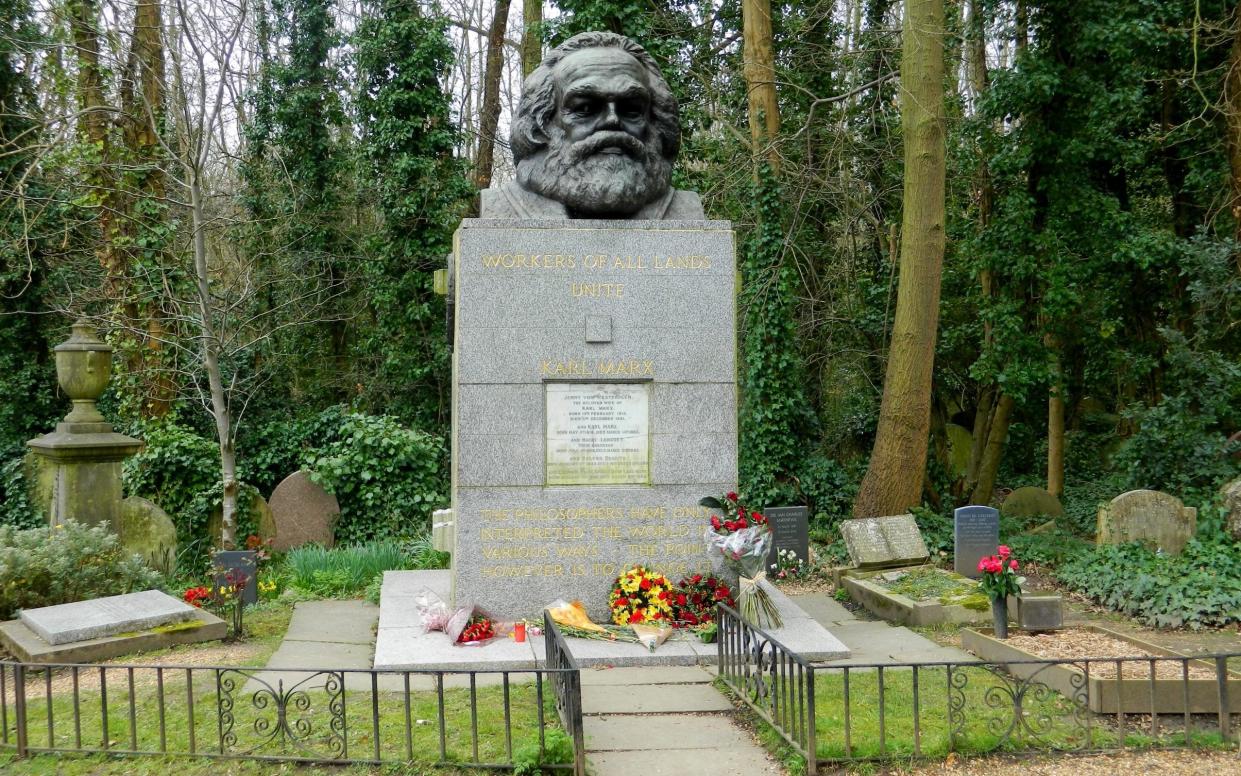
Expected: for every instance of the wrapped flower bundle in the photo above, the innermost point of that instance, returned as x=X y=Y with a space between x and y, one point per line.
x=743 y=537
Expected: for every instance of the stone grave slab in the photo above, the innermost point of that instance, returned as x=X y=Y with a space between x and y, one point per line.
x=1158 y=520
x=878 y=542
x=241 y=564
x=790 y=530
x=975 y=533
x=108 y=616
x=303 y=513
x=24 y=644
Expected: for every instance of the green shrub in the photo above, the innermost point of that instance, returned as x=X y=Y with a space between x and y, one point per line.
x=15 y=507
x=1201 y=587
x=422 y=555
x=385 y=477
x=342 y=571
x=180 y=471
x=71 y=562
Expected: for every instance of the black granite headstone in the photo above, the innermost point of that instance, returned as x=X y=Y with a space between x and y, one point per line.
x=790 y=530
x=976 y=532
x=240 y=564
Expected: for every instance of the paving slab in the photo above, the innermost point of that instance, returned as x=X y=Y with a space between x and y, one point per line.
x=689 y=762
x=415 y=649
x=627 y=732
x=824 y=609
x=343 y=622
x=646 y=699
x=605 y=676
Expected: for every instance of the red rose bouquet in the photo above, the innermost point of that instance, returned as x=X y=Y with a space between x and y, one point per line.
x=696 y=597
x=641 y=596
x=743 y=537
x=478 y=630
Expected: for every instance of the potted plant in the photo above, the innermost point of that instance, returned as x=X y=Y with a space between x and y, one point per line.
x=999 y=581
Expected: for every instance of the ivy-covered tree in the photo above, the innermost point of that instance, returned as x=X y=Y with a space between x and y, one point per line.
x=420 y=190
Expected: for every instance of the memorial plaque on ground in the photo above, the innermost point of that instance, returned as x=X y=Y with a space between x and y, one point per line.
x=230 y=566
x=878 y=542
x=574 y=459
x=99 y=617
x=975 y=533
x=790 y=530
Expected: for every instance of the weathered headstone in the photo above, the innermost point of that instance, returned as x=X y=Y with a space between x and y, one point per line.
x=960 y=445
x=99 y=617
x=232 y=566
x=145 y=529
x=975 y=533
x=1156 y=519
x=878 y=542
x=1232 y=506
x=1031 y=502
x=790 y=530
x=303 y=513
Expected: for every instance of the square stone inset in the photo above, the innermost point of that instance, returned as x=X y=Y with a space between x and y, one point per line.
x=598 y=328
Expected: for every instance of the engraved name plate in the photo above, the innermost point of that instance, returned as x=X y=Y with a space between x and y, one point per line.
x=598 y=433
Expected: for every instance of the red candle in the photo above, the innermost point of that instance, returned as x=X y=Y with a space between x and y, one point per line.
x=519 y=632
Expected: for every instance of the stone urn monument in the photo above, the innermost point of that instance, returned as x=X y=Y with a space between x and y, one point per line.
x=84 y=453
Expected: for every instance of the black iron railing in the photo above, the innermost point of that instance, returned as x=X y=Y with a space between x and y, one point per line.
x=293 y=715
x=833 y=714
x=566 y=681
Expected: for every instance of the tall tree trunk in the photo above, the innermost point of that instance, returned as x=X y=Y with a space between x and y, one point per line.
x=1232 y=100
x=893 y=481
x=93 y=131
x=760 y=79
x=985 y=488
x=531 y=36
x=490 y=118
x=1055 y=422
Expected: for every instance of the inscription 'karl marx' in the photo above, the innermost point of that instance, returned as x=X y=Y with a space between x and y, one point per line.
x=613 y=368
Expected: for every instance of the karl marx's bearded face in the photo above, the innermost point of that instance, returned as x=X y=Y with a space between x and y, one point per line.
x=606 y=149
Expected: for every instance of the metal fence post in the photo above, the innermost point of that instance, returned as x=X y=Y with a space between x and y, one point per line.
x=19 y=707
x=812 y=748
x=1225 y=709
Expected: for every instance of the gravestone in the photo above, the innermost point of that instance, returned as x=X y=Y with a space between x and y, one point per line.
x=108 y=616
x=790 y=530
x=1232 y=506
x=879 y=542
x=145 y=529
x=975 y=533
x=1158 y=520
x=960 y=446
x=1031 y=502
x=229 y=566
x=303 y=512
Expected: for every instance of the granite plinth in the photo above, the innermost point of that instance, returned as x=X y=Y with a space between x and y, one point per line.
x=108 y=616
x=537 y=513
x=27 y=646
x=878 y=542
x=402 y=644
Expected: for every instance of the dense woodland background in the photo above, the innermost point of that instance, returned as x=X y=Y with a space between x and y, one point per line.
x=249 y=197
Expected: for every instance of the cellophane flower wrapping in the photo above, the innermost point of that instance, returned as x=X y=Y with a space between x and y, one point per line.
x=745 y=552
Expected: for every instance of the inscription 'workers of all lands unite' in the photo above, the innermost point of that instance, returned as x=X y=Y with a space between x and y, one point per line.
x=593 y=262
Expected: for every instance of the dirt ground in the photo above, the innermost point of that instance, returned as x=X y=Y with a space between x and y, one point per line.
x=1130 y=764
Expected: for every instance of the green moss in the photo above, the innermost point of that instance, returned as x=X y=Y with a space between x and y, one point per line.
x=175 y=627
x=932 y=584
x=975 y=601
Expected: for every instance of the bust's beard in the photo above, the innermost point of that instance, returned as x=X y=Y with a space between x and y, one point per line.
x=590 y=182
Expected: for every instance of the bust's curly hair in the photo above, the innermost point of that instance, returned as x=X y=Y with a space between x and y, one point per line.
x=538 y=98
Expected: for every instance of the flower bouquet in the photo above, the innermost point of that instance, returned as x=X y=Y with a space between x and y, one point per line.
x=640 y=595
x=999 y=581
x=743 y=538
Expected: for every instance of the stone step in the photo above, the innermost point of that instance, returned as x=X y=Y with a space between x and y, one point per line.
x=684 y=762
x=630 y=732
x=653 y=698
x=633 y=676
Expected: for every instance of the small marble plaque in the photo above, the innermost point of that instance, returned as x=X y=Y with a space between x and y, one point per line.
x=875 y=542
x=790 y=530
x=976 y=532
x=108 y=616
x=598 y=433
